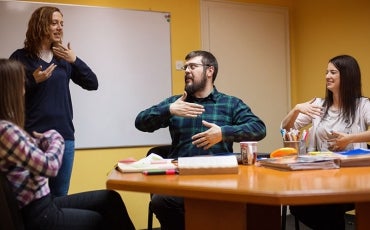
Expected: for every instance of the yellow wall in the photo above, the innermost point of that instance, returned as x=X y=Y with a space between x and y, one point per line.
x=319 y=30
x=322 y=30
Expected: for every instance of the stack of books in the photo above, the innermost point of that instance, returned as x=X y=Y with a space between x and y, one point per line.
x=300 y=163
x=354 y=157
x=319 y=160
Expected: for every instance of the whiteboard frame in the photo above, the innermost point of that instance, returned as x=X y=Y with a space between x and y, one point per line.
x=130 y=52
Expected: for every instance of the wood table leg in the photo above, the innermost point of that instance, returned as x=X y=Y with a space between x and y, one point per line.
x=263 y=217
x=362 y=216
x=220 y=215
x=215 y=215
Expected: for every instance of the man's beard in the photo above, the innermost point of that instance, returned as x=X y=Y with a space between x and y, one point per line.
x=191 y=89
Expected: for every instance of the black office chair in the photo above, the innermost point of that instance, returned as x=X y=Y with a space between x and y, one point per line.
x=162 y=151
x=11 y=217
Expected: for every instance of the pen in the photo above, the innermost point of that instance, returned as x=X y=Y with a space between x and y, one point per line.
x=160 y=172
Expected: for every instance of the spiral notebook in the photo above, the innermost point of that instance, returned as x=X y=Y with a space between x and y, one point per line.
x=300 y=162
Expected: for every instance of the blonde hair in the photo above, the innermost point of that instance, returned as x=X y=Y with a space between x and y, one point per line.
x=12 y=79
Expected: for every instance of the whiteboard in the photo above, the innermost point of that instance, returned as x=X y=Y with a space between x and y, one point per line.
x=128 y=50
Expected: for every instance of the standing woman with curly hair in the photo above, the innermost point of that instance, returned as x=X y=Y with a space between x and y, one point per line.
x=49 y=68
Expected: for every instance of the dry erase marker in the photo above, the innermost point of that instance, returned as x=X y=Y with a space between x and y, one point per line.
x=160 y=172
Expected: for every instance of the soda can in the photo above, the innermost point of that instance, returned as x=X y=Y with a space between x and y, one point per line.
x=248 y=150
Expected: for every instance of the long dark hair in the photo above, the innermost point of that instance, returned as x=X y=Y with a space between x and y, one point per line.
x=12 y=77
x=350 y=86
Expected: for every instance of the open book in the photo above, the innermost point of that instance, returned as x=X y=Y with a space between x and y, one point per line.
x=208 y=165
x=300 y=162
x=151 y=162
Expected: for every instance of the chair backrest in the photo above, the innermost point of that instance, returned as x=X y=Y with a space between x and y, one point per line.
x=163 y=150
x=10 y=214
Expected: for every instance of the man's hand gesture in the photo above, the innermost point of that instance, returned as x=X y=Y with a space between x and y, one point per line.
x=208 y=138
x=185 y=109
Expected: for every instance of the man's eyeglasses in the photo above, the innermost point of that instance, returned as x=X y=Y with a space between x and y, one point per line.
x=192 y=66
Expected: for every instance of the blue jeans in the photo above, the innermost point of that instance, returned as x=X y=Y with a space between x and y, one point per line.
x=59 y=185
x=93 y=210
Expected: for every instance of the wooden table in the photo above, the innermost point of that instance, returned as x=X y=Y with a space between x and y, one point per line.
x=252 y=198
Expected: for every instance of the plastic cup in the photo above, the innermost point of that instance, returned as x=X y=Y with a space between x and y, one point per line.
x=299 y=145
x=248 y=150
